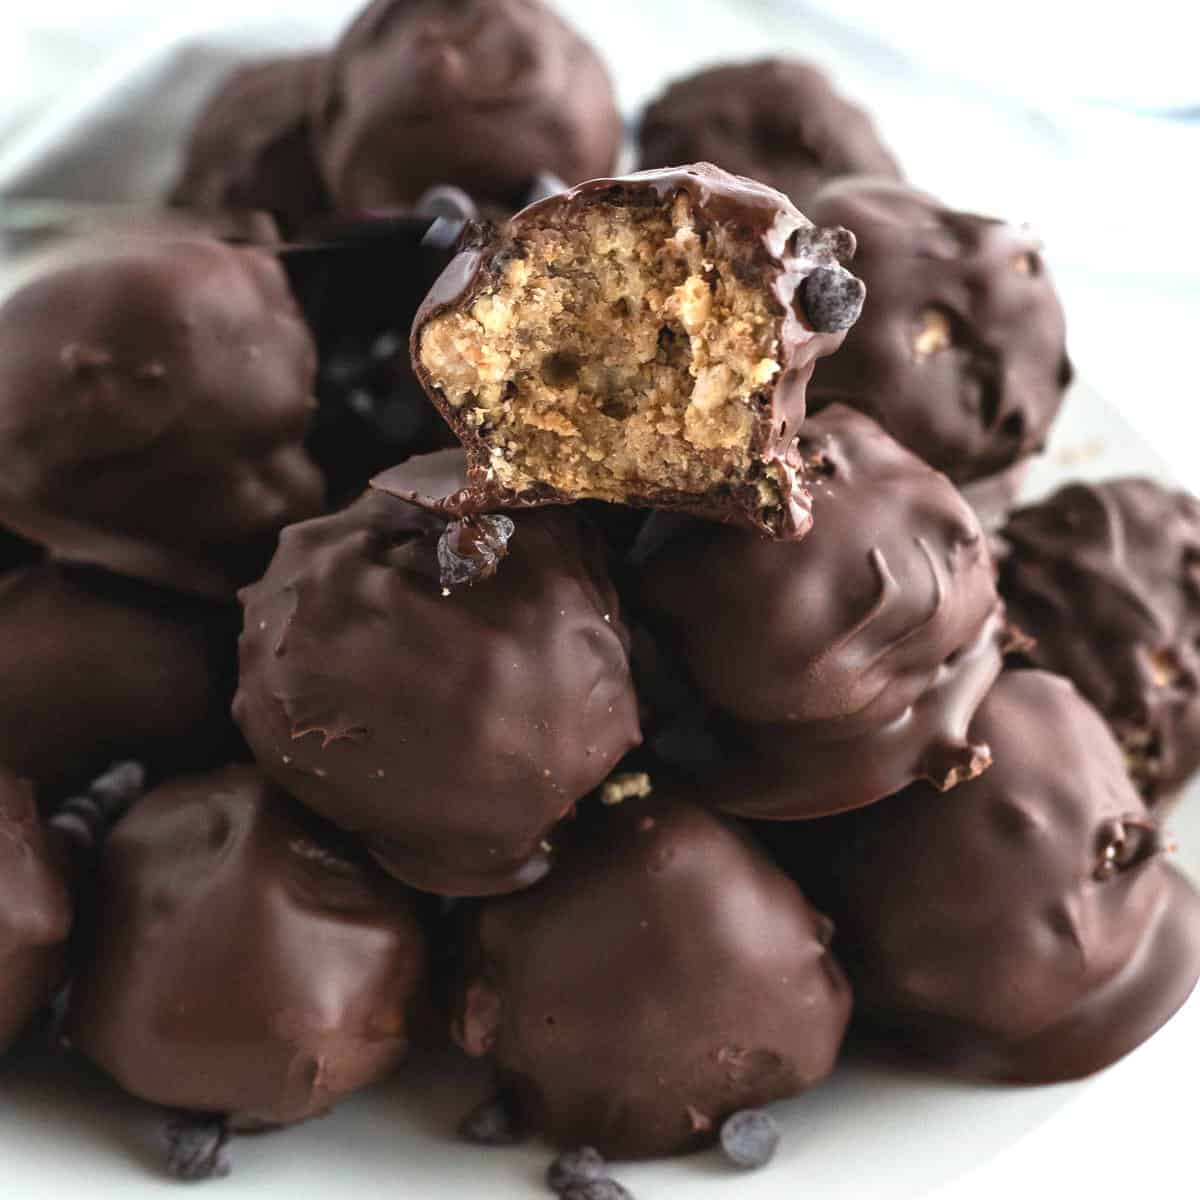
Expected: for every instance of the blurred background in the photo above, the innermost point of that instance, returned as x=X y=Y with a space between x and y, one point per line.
x=1081 y=119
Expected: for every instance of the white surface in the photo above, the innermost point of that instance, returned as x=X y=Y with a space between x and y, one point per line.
x=985 y=108
x=868 y=1134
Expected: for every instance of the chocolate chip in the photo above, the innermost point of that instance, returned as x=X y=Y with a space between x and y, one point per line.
x=492 y=1123
x=470 y=550
x=119 y=787
x=86 y=819
x=197 y=1148
x=831 y=299
x=450 y=209
x=598 y=1189
x=749 y=1138
x=445 y=201
x=574 y=1168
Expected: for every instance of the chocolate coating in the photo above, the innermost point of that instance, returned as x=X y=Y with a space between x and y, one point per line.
x=451 y=730
x=663 y=977
x=844 y=666
x=154 y=397
x=1106 y=578
x=1025 y=928
x=247 y=963
x=778 y=120
x=35 y=910
x=960 y=351
x=251 y=145
x=482 y=94
x=778 y=251
x=98 y=669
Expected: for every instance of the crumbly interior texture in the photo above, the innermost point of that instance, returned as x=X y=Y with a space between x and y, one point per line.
x=619 y=351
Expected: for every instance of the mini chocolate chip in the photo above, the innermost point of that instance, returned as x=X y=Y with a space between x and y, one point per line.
x=470 y=550
x=808 y=239
x=197 y=1148
x=574 y=1168
x=598 y=1189
x=451 y=209
x=119 y=787
x=85 y=820
x=492 y=1123
x=386 y=346
x=443 y=234
x=749 y=1138
x=446 y=201
x=831 y=299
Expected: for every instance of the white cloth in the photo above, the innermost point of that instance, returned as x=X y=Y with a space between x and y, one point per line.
x=1082 y=119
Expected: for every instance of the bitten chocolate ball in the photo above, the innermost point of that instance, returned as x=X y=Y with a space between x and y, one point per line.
x=247 y=964
x=1106 y=578
x=778 y=120
x=663 y=977
x=644 y=340
x=154 y=398
x=1026 y=927
x=35 y=910
x=251 y=146
x=482 y=94
x=97 y=669
x=960 y=351
x=447 y=689
x=842 y=667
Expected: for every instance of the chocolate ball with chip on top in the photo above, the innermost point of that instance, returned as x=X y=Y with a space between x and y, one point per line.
x=448 y=687
x=960 y=352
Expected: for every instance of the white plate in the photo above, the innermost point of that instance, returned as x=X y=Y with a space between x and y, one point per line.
x=869 y=1132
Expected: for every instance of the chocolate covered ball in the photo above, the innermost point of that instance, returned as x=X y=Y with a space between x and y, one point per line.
x=481 y=94
x=247 y=963
x=778 y=120
x=1106 y=578
x=448 y=689
x=960 y=351
x=154 y=398
x=251 y=146
x=840 y=668
x=94 y=668
x=35 y=910
x=665 y=976
x=1026 y=927
x=644 y=340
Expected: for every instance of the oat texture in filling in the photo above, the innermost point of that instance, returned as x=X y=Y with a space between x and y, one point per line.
x=615 y=354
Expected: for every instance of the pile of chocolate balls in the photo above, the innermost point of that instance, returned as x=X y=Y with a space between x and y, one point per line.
x=453 y=594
